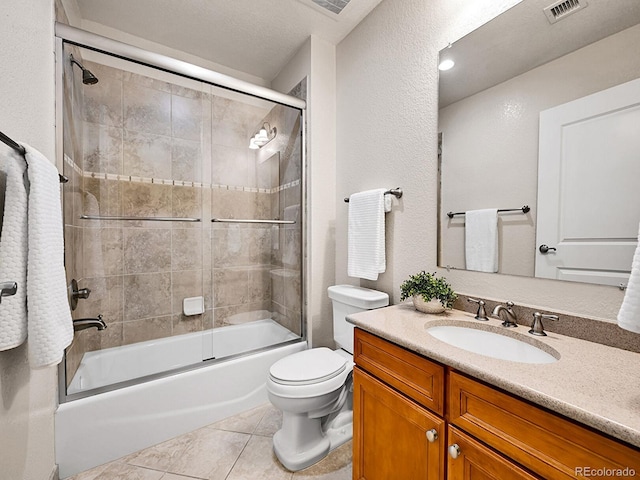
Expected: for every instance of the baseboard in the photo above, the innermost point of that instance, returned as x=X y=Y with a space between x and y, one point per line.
x=55 y=475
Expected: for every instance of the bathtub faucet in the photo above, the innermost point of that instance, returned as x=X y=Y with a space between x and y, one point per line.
x=83 y=323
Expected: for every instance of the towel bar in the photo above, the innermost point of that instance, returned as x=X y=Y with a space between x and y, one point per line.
x=396 y=192
x=524 y=209
x=8 y=289
x=247 y=220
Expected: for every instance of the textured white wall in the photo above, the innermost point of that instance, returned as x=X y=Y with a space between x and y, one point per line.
x=27 y=397
x=316 y=61
x=387 y=136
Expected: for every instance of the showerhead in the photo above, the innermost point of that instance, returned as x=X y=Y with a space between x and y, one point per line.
x=88 y=78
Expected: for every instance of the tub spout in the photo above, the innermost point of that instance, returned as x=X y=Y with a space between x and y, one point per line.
x=83 y=323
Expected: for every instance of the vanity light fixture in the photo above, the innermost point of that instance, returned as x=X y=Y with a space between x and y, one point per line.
x=446 y=64
x=263 y=136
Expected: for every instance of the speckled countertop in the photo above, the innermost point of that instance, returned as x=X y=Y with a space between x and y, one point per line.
x=591 y=383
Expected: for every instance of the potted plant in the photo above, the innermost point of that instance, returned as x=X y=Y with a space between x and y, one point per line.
x=430 y=294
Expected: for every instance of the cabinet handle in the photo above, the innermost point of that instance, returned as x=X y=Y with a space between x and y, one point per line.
x=454 y=451
x=432 y=435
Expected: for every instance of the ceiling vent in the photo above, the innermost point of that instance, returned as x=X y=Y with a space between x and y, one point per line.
x=334 y=6
x=559 y=10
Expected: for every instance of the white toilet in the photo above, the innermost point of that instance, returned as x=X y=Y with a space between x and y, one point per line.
x=314 y=388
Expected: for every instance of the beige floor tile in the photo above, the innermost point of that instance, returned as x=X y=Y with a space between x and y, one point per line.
x=89 y=474
x=258 y=462
x=123 y=471
x=270 y=422
x=335 y=466
x=245 y=422
x=173 y=476
x=160 y=456
x=210 y=454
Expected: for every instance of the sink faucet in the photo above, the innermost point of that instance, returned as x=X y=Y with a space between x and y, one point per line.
x=536 y=327
x=510 y=320
x=83 y=323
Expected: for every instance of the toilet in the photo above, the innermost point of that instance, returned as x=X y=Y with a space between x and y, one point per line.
x=314 y=388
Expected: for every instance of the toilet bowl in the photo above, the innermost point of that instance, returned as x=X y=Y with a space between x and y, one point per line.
x=314 y=388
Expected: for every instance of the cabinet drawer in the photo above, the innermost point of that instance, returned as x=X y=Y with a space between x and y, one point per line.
x=547 y=444
x=420 y=379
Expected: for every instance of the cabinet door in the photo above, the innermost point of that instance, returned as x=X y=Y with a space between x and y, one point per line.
x=474 y=461
x=390 y=434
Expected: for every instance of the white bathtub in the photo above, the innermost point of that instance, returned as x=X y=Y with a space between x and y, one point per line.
x=93 y=430
x=119 y=364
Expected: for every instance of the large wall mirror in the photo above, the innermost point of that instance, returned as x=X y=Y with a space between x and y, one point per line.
x=542 y=110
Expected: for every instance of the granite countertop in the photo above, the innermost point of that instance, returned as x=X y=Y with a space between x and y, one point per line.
x=591 y=383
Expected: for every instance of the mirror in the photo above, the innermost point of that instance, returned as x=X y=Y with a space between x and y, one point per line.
x=498 y=114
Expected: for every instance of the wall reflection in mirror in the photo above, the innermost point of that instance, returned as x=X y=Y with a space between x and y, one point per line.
x=545 y=115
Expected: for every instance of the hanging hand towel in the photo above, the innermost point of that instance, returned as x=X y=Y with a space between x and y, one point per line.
x=13 y=252
x=366 y=243
x=629 y=314
x=49 y=321
x=481 y=240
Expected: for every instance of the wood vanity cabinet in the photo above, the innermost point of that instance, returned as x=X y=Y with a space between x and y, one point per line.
x=405 y=426
x=394 y=435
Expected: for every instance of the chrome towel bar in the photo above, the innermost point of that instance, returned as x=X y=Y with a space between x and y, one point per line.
x=247 y=220
x=8 y=289
x=396 y=192
x=524 y=209
x=152 y=219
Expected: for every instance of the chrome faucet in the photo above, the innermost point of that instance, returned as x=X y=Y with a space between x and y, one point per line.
x=481 y=314
x=510 y=320
x=536 y=327
x=84 y=323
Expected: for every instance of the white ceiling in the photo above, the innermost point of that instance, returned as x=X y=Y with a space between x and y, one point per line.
x=522 y=38
x=257 y=37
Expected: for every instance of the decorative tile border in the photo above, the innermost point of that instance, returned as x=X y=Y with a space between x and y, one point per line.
x=180 y=183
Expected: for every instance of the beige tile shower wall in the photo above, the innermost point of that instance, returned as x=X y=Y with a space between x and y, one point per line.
x=137 y=128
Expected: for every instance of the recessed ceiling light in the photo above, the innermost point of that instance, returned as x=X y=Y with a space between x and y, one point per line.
x=446 y=64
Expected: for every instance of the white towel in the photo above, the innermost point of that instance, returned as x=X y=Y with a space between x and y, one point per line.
x=49 y=321
x=366 y=243
x=629 y=314
x=481 y=240
x=13 y=252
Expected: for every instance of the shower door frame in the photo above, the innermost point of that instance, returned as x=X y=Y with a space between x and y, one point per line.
x=74 y=36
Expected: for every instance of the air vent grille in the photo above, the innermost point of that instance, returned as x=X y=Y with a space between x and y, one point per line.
x=559 y=10
x=334 y=6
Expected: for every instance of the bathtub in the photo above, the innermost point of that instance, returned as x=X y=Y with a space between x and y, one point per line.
x=120 y=364
x=94 y=430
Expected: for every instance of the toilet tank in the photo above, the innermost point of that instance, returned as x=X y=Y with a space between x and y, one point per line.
x=348 y=299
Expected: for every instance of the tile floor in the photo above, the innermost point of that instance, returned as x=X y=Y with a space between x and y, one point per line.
x=236 y=448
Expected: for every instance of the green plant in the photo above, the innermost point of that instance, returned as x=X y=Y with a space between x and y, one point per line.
x=428 y=286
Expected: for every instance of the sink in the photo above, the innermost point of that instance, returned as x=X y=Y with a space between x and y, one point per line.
x=492 y=344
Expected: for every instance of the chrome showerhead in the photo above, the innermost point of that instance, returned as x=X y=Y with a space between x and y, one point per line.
x=88 y=78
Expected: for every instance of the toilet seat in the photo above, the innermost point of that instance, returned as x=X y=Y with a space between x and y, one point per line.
x=309 y=373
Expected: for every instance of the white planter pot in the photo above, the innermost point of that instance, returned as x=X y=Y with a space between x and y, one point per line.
x=433 y=306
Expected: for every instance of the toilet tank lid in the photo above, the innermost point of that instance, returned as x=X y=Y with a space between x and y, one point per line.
x=358 y=296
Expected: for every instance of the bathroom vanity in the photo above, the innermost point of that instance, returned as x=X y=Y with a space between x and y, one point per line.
x=425 y=409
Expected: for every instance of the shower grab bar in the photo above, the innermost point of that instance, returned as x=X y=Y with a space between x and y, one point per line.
x=247 y=220
x=153 y=219
x=21 y=150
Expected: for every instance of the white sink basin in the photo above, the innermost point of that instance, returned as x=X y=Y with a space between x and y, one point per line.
x=491 y=344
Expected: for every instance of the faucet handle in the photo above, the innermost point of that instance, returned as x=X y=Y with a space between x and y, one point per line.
x=510 y=304
x=537 y=328
x=481 y=314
